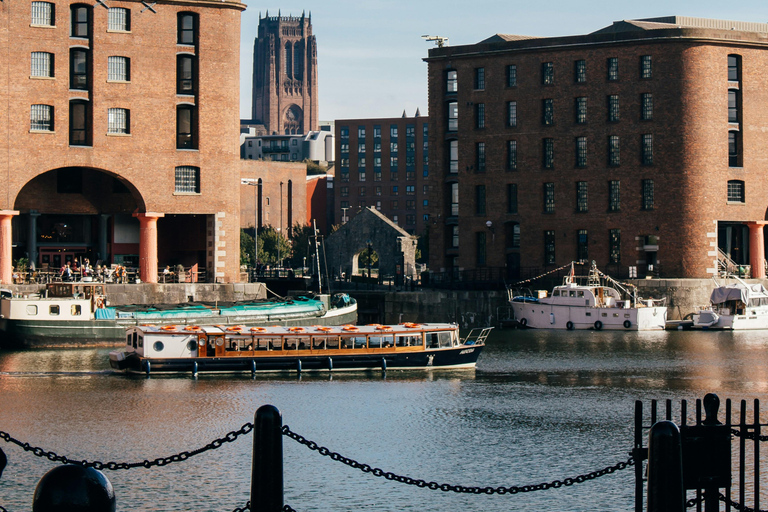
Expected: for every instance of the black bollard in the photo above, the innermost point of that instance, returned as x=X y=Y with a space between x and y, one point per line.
x=71 y=488
x=267 y=474
x=665 y=469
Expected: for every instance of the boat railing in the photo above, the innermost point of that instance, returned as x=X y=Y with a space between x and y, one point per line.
x=477 y=336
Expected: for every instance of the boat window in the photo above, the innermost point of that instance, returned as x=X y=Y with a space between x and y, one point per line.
x=318 y=342
x=573 y=293
x=332 y=342
x=192 y=345
x=268 y=344
x=302 y=343
x=556 y=293
x=76 y=310
x=380 y=341
x=141 y=341
x=134 y=337
x=31 y=309
x=158 y=346
x=128 y=339
x=353 y=342
x=409 y=340
x=581 y=293
x=53 y=309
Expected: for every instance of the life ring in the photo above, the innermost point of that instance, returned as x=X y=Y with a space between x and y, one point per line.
x=383 y=328
x=258 y=329
x=193 y=328
x=410 y=325
x=168 y=327
x=523 y=322
x=598 y=325
x=235 y=328
x=569 y=325
x=99 y=302
x=627 y=324
x=324 y=329
x=349 y=328
x=296 y=329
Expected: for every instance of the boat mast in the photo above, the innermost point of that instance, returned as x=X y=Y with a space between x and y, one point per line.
x=317 y=259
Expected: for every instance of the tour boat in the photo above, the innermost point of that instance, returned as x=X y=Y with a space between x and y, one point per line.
x=592 y=305
x=737 y=306
x=67 y=314
x=241 y=348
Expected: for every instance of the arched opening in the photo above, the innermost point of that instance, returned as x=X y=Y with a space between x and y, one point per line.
x=289 y=59
x=365 y=263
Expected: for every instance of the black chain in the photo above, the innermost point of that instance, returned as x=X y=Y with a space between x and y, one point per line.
x=161 y=461
x=749 y=435
x=722 y=497
x=365 y=468
x=247 y=506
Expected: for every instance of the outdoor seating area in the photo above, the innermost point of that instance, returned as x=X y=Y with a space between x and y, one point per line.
x=113 y=274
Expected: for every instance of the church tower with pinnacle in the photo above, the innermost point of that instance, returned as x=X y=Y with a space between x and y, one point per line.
x=285 y=75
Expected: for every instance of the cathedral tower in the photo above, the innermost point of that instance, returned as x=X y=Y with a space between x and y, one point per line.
x=285 y=75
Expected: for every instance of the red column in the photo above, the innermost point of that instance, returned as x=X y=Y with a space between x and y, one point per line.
x=757 y=249
x=6 y=246
x=148 y=245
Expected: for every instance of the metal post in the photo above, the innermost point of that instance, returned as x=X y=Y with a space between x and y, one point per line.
x=255 y=228
x=267 y=473
x=665 y=469
x=279 y=266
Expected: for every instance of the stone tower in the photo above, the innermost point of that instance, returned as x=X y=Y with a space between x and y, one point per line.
x=285 y=75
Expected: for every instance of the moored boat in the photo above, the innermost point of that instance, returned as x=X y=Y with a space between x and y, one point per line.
x=594 y=304
x=737 y=306
x=67 y=314
x=240 y=348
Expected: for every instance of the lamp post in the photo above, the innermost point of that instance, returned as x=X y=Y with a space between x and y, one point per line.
x=254 y=183
x=279 y=265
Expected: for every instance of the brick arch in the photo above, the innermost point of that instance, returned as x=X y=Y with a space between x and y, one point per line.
x=81 y=190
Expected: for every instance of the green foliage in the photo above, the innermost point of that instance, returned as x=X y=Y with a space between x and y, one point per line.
x=22 y=264
x=368 y=258
x=301 y=242
x=314 y=168
x=269 y=242
x=246 y=249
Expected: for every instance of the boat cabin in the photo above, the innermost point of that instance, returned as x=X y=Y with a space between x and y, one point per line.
x=590 y=296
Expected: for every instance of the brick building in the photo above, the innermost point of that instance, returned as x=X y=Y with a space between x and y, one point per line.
x=639 y=144
x=120 y=139
x=285 y=97
x=383 y=163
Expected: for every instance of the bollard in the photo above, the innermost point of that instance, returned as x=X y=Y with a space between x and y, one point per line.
x=71 y=488
x=665 y=469
x=267 y=473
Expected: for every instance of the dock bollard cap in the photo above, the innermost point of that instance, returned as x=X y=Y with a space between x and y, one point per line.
x=71 y=488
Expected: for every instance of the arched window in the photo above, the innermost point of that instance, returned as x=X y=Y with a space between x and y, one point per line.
x=298 y=60
x=289 y=59
x=80 y=20
x=187 y=28
x=79 y=123
x=186 y=127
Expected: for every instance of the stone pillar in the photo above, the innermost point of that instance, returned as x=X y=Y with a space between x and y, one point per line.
x=103 y=223
x=148 y=245
x=757 y=249
x=6 y=246
x=32 y=238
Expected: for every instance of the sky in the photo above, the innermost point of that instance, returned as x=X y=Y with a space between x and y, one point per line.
x=370 y=52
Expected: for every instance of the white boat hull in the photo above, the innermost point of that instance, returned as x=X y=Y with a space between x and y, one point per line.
x=751 y=320
x=566 y=317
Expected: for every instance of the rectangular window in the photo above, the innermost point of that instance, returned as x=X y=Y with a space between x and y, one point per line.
x=581 y=152
x=453 y=116
x=580 y=71
x=119 y=121
x=454 y=199
x=480 y=157
x=646 y=67
x=736 y=191
x=613 y=69
x=614 y=153
x=377 y=131
x=480 y=115
x=548 y=153
x=360 y=147
x=646 y=113
x=79 y=123
x=361 y=134
x=393 y=205
x=734 y=68
x=511 y=114
x=78 y=68
x=582 y=245
x=187 y=28
x=186 y=75
x=187 y=180
x=549 y=198
x=42 y=65
x=614 y=241
x=480 y=200
x=453 y=156
x=361 y=191
x=734 y=98
x=613 y=108
x=118 y=69
x=454 y=236
x=80 y=21
x=43 y=14
x=119 y=19
x=393 y=147
x=41 y=118
x=512 y=75
x=581 y=110
x=393 y=131
x=647 y=194
x=734 y=149
x=344 y=191
x=480 y=78
x=512 y=155
x=481 y=250
x=410 y=190
x=511 y=197
x=548 y=111
x=614 y=196
x=186 y=127
x=647 y=149
x=451 y=81
x=395 y=190
x=581 y=196
x=547 y=73
x=344 y=132
x=549 y=247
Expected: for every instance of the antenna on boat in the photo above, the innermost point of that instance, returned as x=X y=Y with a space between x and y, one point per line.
x=317 y=259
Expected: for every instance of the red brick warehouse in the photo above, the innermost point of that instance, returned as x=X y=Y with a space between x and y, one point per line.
x=640 y=144
x=120 y=142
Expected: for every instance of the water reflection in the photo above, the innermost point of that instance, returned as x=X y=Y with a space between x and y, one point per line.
x=540 y=406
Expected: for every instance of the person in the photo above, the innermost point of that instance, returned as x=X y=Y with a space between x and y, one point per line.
x=66 y=273
x=166 y=273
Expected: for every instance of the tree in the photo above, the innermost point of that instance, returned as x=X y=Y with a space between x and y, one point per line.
x=301 y=241
x=246 y=249
x=269 y=242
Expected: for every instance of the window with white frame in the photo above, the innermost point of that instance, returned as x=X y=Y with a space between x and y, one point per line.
x=118 y=69
x=119 y=19
x=187 y=180
x=118 y=121
x=41 y=118
x=42 y=65
x=43 y=14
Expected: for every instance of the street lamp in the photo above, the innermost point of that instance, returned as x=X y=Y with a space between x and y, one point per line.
x=279 y=264
x=254 y=183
